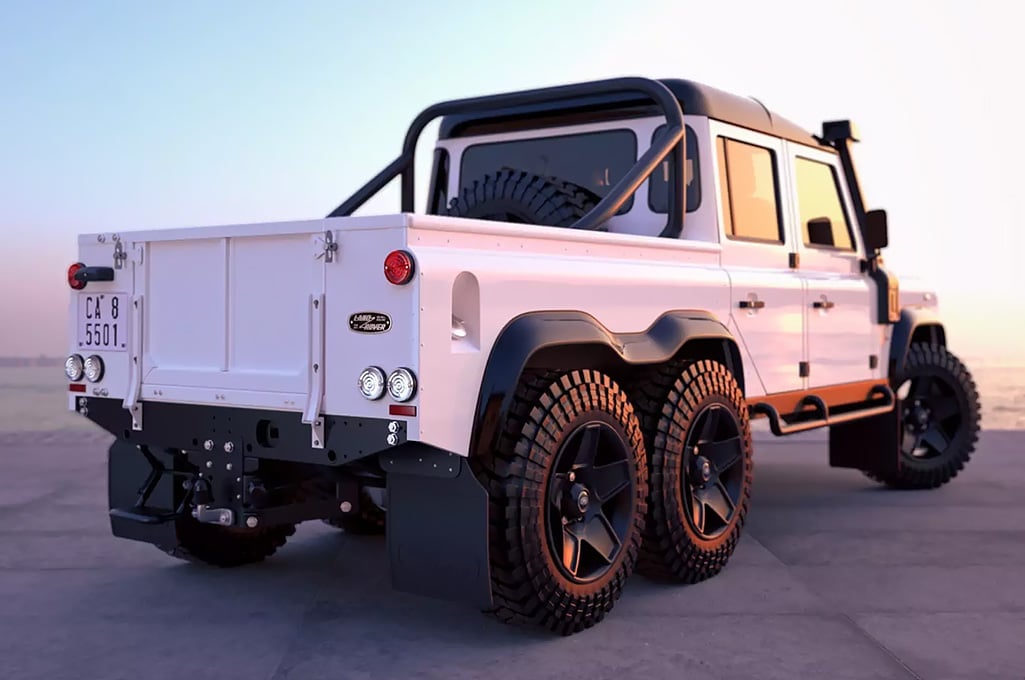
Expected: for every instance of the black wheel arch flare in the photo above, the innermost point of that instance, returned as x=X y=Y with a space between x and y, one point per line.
x=915 y=325
x=574 y=339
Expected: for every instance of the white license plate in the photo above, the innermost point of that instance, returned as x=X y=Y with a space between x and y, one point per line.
x=103 y=322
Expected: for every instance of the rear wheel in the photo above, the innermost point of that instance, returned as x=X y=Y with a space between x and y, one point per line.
x=227 y=546
x=698 y=436
x=567 y=487
x=940 y=412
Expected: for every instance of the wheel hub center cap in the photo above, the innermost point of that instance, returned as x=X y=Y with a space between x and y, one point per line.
x=575 y=501
x=918 y=418
x=702 y=469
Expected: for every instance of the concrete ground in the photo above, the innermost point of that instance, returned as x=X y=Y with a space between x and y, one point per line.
x=835 y=578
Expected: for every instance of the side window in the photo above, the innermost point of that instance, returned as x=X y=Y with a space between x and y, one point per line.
x=663 y=176
x=824 y=221
x=750 y=196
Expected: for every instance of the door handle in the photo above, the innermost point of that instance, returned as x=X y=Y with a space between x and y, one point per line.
x=823 y=304
x=752 y=304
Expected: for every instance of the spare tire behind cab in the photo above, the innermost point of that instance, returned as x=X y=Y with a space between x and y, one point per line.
x=523 y=197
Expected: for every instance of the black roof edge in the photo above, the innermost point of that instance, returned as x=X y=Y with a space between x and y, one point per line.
x=696 y=99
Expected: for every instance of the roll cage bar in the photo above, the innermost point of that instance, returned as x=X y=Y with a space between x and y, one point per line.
x=671 y=138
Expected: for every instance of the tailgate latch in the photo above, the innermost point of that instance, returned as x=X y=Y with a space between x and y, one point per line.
x=328 y=246
x=119 y=254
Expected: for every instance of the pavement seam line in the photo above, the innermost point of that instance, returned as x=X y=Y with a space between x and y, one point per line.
x=829 y=607
x=878 y=643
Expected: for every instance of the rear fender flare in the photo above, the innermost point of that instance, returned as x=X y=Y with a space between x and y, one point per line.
x=585 y=339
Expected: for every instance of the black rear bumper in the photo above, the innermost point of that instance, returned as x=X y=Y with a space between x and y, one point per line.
x=437 y=510
x=276 y=435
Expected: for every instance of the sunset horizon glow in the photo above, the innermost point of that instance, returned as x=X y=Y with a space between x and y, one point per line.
x=123 y=116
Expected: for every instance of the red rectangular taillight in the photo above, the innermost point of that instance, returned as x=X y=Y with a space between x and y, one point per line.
x=77 y=388
x=401 y=410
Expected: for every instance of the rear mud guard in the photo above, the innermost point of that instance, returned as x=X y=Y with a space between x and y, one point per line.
x=437 y=526
x=871 y=444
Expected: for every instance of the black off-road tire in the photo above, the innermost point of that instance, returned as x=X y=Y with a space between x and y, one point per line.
x=524 y=198
x=227 y=546
x=527 y=478
x=672 y=400
x=370 y=520
x=942 y=383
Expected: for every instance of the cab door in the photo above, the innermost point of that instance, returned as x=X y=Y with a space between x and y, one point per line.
x=838 y=296
x=767 y=295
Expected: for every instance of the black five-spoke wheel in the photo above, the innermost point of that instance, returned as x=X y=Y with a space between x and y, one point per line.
x=698 y=437
x=931 y=414
x=567 y=485
x=590 y=507
x=940 y=411
x=713 y=471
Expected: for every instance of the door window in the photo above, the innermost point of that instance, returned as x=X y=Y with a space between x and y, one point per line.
x=824 y=222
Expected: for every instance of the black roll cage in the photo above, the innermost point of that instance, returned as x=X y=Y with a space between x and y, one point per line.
x=671 y=138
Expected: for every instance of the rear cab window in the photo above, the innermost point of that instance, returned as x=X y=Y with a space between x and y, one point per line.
x=663 y=176
x=594 y=161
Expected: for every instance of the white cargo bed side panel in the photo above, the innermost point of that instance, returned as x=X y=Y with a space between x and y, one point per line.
x=624 y=282
x=229 y=319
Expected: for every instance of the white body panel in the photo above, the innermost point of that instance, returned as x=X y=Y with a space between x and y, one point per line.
x=759 y=272
x=840 y=338
x=625 y=282
x=257 y=316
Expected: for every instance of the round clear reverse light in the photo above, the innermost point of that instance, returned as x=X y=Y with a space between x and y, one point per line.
x=371 y=382
x=401 y=384
x=93 y=368
x=73 y=367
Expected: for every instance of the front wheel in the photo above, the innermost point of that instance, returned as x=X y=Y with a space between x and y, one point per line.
x=940 y=412
x=567 y=486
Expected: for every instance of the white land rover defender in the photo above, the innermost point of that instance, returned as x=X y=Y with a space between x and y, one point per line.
x=540 y=383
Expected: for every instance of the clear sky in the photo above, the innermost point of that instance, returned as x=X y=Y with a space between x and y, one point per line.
x=124 y=115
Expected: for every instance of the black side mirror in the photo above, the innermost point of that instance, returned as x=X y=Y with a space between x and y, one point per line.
x=876 y=232
x=820 y=231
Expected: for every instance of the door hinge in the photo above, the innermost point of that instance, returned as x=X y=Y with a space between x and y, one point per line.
x=804 y=368
x=795 y=260
x=873 y=361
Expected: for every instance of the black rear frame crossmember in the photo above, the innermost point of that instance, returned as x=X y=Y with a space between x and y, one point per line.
x=671 y=138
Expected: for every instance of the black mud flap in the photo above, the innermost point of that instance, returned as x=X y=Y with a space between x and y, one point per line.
x=871 y=444
x=130 y=474
x=437 y=526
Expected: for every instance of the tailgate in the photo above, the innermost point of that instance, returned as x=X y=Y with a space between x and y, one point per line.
x=234 y=319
